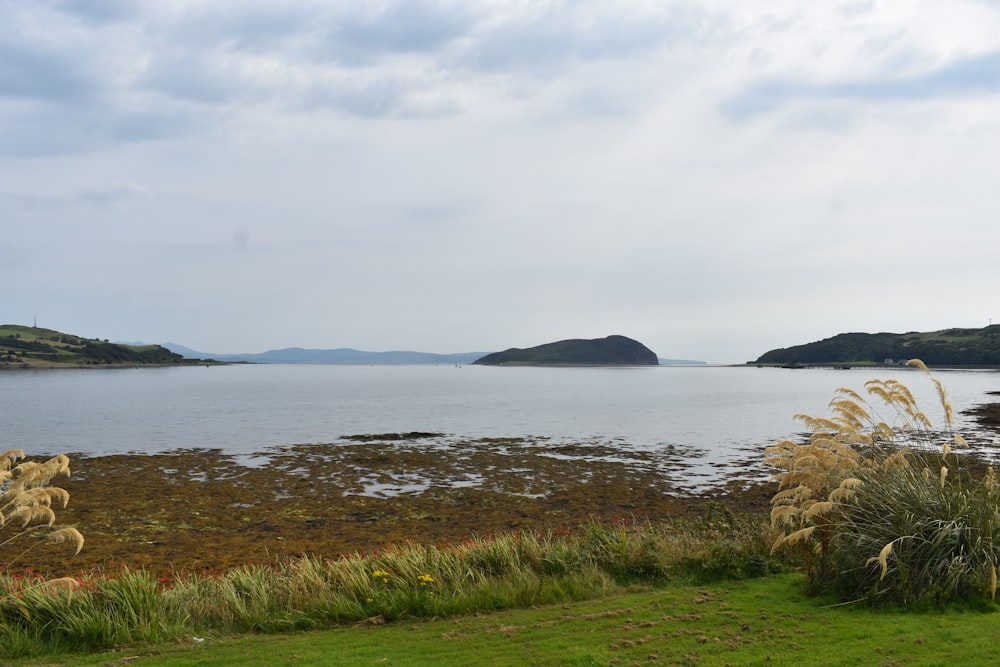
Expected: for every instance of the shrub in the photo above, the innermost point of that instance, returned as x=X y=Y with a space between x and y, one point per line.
x=879 y=509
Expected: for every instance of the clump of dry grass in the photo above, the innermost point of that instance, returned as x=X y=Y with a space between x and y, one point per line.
x=878 y=507
x=26 y=500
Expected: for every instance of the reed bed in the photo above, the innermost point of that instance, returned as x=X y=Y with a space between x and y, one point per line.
x=501 y=571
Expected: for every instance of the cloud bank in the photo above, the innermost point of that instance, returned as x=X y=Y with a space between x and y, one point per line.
x=710 y=178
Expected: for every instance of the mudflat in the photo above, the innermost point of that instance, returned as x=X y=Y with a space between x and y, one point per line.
x=204 y=510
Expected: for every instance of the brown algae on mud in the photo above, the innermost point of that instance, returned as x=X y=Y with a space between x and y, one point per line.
x=206 y=510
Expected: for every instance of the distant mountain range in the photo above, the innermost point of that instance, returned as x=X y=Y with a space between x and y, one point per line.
x=342 y=355
x=346 y=355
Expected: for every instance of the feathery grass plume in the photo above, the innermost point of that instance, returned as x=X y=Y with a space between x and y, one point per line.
x=882 y=559
x=67 y=534
x=26 y=500
x=858 y=500
x=9 y=457
x=67 y=585
x=799 y=535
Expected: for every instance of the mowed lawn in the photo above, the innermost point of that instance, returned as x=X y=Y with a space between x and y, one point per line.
x=754 y=622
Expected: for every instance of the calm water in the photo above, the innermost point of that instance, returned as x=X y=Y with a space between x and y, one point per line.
x=722 y=414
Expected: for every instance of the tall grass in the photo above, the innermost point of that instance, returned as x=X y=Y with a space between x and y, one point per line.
x=877 y=505
x=26 y=498
x=409 y=580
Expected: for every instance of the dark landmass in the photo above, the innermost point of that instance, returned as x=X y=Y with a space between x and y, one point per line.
x=34 y=347
x=343 y=355
x=949 y=347
x=610 y=351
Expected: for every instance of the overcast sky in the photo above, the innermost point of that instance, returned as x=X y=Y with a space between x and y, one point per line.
x=714 y=179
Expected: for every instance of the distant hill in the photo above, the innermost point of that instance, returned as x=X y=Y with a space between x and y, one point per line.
x=610 y=351
x=949 y=347
x=343 y=355
x=33 y=347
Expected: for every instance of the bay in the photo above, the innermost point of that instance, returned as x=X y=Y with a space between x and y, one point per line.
x=715 y=418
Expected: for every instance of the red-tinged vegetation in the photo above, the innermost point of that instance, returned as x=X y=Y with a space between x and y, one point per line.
x=201 y=511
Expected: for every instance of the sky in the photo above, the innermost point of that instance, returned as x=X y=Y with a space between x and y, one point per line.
x=712 y=178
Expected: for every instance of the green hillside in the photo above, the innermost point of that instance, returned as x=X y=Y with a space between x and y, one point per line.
x=34 y=347
x=949 y=347
x=610 y=351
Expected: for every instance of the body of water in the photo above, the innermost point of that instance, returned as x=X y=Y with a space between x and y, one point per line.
x=720 y=415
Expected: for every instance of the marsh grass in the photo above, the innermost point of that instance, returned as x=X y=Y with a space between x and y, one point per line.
x=876 y=504
x=503 y=571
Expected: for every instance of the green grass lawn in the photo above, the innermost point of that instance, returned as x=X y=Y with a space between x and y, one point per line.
x=753 y=622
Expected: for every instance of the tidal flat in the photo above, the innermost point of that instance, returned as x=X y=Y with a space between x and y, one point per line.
x=203 y=510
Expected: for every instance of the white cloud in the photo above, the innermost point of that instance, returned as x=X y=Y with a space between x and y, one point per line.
x=453 y=176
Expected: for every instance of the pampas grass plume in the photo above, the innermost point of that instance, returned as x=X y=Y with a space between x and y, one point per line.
x=27 y=498
x=882 y=559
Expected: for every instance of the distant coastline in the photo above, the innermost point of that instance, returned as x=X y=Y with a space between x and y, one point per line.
x=957 y=348
x=24 y=347
x=35 y=348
